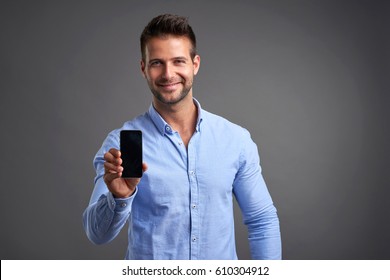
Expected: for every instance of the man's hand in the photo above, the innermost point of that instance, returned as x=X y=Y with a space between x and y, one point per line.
x=118 y=186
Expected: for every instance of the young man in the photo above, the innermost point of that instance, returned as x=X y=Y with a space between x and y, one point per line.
x=182 y=207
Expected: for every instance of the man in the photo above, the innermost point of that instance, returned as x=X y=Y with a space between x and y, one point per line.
x=195 y=161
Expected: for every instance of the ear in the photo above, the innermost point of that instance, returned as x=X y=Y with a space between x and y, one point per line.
x=143 y=68
x=196 y=63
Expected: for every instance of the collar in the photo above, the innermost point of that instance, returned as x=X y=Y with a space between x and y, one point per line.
x=163 y=127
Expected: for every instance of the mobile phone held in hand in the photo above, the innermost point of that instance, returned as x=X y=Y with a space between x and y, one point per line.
x=131 y=153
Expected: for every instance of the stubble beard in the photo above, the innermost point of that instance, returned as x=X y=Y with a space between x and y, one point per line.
x=160 y=97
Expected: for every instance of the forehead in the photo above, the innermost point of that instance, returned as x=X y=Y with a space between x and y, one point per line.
x=167 y=47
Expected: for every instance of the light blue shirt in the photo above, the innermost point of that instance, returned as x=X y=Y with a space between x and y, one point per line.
x=183 y=206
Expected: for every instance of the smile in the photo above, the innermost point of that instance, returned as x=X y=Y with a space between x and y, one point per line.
x=168 y=86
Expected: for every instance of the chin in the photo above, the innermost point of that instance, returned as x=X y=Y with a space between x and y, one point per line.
x=170 y=98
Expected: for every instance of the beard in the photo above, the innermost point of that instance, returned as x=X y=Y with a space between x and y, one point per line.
x=170 y=97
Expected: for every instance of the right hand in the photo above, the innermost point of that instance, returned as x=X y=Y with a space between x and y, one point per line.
x=118 y=186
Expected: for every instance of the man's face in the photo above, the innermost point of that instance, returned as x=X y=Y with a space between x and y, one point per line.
x=169 y=69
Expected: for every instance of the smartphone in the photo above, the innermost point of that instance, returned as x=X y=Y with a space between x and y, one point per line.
x=131 y=153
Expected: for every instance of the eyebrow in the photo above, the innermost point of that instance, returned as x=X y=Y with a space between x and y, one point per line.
x=174 y=58
x=180 y=57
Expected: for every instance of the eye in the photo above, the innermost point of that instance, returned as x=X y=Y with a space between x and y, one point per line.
x=180 y=61
x=155 y=63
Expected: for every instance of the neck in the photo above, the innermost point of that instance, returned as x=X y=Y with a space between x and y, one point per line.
x=181 y=116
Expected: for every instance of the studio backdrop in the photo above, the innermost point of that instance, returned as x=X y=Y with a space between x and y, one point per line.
x=308 y=79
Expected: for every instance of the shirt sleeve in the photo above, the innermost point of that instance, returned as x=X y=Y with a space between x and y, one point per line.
x=105 y=215
x=258 y=210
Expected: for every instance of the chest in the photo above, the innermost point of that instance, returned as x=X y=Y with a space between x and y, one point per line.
x=206 y=166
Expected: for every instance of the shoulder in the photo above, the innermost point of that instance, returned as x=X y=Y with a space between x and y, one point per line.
x=222 y=125
x=230 y=136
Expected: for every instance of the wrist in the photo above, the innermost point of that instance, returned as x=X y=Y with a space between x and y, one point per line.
x=123 y=195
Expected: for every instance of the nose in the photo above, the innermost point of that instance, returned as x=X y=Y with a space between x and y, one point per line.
x=168 y=71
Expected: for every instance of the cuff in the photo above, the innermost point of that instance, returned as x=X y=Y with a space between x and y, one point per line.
x=120 y=204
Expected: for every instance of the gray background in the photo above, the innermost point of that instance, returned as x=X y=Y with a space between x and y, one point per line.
x=308 y=79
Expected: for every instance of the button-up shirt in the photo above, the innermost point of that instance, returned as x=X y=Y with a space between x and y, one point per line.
x=183 y=206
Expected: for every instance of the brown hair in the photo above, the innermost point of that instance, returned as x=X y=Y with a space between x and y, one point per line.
x=168 y=24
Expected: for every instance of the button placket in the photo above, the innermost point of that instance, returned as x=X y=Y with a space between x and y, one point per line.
x=194 y=200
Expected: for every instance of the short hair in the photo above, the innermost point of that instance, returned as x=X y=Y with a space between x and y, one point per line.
x=168 y=24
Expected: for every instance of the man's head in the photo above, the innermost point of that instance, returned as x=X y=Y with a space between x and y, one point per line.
x=169 y=60
x=166 y=25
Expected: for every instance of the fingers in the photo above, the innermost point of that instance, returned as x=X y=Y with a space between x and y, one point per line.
x=112 y=154
x=113 y=171
x=112 y=165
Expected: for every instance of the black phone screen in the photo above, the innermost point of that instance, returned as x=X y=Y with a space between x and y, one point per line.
x=131 y=153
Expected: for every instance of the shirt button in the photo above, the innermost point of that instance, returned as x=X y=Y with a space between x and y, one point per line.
x=193 y=239
x=193 y=206
x=123 y=204
x=168 y=129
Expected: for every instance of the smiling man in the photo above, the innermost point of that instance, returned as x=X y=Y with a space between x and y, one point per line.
x=194 y=162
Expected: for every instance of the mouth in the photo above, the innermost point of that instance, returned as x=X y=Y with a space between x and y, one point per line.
x=170 y=86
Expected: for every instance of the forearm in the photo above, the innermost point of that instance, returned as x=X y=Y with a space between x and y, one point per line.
x=264 y=235
x=104 y=219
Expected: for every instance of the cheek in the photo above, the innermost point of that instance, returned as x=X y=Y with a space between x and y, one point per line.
x=152 y=75
x=188 y=74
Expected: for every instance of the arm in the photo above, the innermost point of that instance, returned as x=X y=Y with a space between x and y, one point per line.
x=259 y=213
x=111 y=200
x=104 y=218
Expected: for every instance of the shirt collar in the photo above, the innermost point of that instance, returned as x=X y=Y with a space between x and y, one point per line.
x=164 y=127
